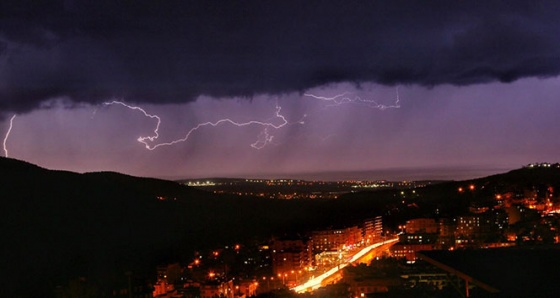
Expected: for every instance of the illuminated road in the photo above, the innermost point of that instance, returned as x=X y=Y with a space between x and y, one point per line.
x=315 y=283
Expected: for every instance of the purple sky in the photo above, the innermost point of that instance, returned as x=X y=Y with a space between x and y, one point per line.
x=478 y=86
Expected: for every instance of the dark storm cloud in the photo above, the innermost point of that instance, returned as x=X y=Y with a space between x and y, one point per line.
x=173 y=51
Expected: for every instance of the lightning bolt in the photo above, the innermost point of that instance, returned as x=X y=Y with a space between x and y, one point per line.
x=8 y=135
x=257 y=145
x=345 y=98
x=263 y=139
x=143 y=140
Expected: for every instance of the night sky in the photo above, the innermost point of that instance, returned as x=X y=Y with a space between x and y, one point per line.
x=412 y=85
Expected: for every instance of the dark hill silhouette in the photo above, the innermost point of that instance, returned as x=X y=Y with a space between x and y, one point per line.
x=449 y=201
x=58 y=225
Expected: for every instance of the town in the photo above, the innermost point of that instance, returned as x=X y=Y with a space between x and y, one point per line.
x=297 y=189
x=497 y=216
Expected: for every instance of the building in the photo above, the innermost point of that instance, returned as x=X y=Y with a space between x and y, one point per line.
x=421 y=234
x=289 y=255
x=373 y=230
x=446 y=235
x=437 y=280
x=354 y=236
x=361 y=288
x=246 y=289
x=472 y=230
x=335 y=239
x=421 y=226
x=408 y=251
x=217 y=289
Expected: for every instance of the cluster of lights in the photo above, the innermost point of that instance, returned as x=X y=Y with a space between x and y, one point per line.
x=373 y=185
x=471 y=187
x=543 y=165
x=316 y=282
x=200 y=184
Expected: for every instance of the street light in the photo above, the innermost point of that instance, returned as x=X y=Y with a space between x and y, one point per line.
x=267 y=282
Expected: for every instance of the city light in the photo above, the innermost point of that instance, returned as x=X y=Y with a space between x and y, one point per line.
x=316 y=282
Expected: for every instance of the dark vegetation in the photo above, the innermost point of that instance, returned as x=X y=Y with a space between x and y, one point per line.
x=58 y=226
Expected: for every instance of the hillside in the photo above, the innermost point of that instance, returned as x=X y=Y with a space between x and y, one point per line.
x=446 y=199
x=61 y=225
